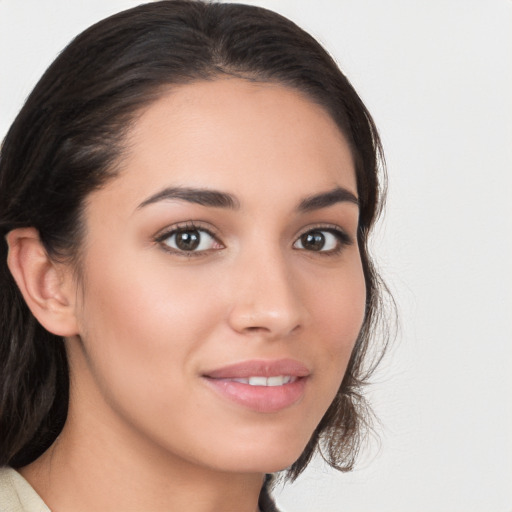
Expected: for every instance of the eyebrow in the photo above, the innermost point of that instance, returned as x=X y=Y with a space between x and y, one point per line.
x=204 y=197
x=217 y=199
x=326 y=199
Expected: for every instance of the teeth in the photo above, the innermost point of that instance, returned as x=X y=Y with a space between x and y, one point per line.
x=258 y=381
x=278 y=380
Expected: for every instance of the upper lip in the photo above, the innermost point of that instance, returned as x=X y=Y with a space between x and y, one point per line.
x=260 y=368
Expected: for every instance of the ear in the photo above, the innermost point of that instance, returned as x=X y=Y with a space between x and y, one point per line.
x=47 y=286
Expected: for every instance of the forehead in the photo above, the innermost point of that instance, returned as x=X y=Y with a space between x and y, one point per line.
x=238 y=136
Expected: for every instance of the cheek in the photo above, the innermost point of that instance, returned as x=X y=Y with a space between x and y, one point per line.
x=132 y=293
x=141 y=325
x=340 y=319
x=339 y=309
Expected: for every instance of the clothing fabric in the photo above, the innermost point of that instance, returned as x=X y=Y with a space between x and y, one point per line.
x=17 y=495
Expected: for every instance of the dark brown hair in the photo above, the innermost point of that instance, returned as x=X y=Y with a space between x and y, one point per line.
x=67 y=139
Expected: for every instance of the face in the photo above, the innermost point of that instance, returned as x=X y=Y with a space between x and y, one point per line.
x=222 y=289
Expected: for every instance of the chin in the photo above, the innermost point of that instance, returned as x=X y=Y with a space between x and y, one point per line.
x=266 y=448
x=263 y=457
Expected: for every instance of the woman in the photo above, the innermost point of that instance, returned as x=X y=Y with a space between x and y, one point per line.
x=188 y=298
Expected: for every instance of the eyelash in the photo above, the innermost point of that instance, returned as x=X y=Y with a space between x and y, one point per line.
x=342 y=238
x=183 y=228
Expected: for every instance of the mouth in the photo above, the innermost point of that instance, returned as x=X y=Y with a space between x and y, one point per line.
x=262 y=386
x=278 y=380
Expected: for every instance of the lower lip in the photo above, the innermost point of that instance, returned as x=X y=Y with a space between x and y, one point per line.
x=264 y=399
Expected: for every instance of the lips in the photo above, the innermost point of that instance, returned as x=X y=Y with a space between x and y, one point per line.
x=260 y=385
x=278 y=380
x=260 y=368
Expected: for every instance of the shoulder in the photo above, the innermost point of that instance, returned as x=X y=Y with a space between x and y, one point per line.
x=16 y=494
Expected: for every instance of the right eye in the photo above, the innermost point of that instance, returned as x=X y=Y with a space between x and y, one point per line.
x=189 y=240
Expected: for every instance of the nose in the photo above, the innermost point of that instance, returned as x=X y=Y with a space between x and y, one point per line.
x=266 y=299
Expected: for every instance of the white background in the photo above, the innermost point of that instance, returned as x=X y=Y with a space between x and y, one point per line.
x=437 y=76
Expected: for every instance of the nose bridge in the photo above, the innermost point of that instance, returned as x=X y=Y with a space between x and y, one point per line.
x=266 y=298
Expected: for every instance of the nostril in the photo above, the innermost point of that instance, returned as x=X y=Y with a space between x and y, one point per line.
x=256 y=329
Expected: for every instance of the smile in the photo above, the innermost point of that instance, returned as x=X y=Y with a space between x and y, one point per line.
x=262 y=386
x=279 y=380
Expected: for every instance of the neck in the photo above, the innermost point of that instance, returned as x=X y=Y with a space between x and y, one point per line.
x=95 y=465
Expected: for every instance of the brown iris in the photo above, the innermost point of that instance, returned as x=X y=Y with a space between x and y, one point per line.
x=313 y=240
x=188 y=240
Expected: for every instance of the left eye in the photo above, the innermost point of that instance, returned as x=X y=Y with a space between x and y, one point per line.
x=189 y=240
x=320 y=240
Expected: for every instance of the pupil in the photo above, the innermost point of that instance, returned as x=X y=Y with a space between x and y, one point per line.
x=314 y=240
x=188 y=240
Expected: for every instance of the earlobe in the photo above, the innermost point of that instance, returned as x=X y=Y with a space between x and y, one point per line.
x=44 y=284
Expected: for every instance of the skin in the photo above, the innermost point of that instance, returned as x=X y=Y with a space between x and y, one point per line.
x=146 y=321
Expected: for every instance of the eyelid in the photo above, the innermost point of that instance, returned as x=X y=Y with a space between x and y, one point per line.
x=333 y=228
x=344 y=238
x=189 y=225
